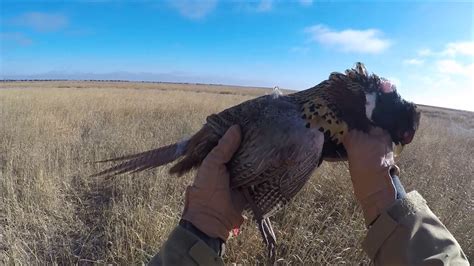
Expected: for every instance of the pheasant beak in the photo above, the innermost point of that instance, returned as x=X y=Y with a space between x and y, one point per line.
x=406 y=138
x=397 y=149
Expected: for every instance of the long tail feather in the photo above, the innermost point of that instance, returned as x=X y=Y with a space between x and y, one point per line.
x=122 y=158
x=145 y=160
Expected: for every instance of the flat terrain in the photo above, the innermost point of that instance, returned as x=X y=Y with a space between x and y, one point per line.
x=52 y=212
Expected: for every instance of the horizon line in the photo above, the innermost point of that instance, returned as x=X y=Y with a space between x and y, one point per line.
x=3 y=80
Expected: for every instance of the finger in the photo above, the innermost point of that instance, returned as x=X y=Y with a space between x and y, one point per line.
x=227 y=146
x=353 y=138
x=238 y=200
x=388 y=160
x=347 y=138
x=381 y=134
x=376 y=131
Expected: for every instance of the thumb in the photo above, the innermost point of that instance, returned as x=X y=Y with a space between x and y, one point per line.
x=227 y=146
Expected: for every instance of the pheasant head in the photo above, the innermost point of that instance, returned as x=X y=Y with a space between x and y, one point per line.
x=358 y=100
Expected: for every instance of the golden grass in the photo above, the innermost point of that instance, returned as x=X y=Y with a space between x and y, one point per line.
x=51 y=212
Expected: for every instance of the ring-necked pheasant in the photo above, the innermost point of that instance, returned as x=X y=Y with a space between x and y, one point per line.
x=285 y=138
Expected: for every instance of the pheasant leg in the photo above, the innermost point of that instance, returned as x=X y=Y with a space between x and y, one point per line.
x=268 y=235
x=264 y=226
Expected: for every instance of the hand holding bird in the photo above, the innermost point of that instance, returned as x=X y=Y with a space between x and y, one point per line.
x=286 y=137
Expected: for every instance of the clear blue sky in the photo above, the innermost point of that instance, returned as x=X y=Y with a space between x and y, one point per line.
x=426 y=47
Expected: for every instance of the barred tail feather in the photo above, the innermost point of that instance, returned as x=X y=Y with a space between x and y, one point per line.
x=145 y=160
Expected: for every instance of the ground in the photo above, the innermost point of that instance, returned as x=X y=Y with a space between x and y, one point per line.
x=52 y=212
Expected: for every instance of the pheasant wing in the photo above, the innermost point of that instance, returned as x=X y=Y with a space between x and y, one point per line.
x=278 y=152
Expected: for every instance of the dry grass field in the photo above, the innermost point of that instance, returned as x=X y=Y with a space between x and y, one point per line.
x=51 y=212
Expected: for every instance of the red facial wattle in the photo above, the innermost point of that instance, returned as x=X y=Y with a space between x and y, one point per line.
x=407 y=137
x=387 y=86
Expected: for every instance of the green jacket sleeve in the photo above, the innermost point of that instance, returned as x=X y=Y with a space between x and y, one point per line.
x=410 y=234
x=185 y=248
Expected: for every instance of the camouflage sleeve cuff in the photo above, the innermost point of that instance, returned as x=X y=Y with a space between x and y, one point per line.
x=409 y=233
x=185 y=248
x=388 y=221
x=214 y=243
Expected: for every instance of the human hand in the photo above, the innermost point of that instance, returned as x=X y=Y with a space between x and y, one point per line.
x=370 y=163
x=210 y=204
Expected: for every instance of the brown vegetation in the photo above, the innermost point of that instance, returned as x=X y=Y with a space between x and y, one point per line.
x=51 y=212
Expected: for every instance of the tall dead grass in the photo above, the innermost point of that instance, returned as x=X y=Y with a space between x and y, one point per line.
x=52 y=212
